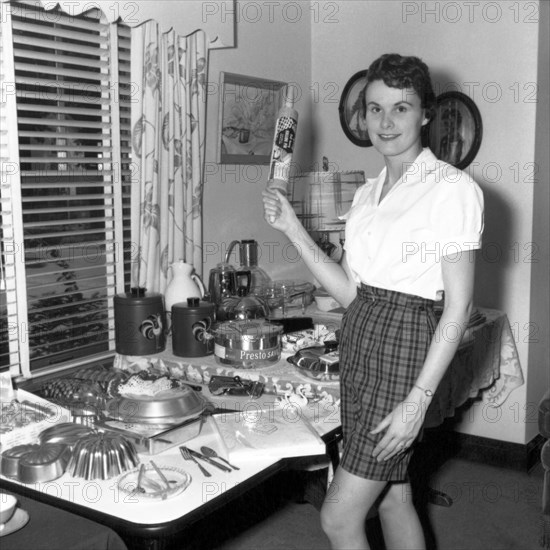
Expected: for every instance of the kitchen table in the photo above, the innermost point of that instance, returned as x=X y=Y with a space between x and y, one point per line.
x=145 y=523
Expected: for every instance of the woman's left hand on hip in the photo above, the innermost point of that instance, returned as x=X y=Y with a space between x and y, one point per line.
x=402 y=426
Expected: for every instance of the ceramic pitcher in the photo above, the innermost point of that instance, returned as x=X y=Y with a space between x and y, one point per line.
x=184 y=284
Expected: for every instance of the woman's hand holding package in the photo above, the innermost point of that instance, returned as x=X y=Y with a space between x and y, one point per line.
x=278 y=211
x=403 y=425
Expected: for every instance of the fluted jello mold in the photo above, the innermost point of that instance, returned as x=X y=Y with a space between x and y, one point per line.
x=102 y=456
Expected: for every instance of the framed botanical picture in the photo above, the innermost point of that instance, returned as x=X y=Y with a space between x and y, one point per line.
x=353 y=110
x=247 y=117
x=455 y=132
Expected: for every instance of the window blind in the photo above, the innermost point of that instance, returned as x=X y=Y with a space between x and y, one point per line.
x=71 y=192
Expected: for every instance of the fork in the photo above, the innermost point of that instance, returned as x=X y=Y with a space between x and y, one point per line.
x=188 y=456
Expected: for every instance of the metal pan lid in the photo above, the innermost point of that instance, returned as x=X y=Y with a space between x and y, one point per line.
x=249 y=329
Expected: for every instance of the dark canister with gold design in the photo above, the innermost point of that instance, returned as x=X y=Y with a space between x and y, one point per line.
x=140 y=322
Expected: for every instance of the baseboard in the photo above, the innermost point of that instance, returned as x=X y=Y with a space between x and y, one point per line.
x=489 y=451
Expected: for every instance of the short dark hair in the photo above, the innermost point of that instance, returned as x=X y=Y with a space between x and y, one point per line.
x=404 y=72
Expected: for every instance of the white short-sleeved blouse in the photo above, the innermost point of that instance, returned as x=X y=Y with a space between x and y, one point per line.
x=434 y=210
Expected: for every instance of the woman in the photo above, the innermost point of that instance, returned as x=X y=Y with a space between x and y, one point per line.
x=410 y=235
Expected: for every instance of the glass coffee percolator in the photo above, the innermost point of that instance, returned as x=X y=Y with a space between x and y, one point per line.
x=248 y=257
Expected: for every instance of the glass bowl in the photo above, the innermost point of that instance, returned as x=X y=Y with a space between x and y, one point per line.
x=152 y=485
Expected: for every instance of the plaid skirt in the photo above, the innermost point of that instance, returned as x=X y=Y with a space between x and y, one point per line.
x=385 y=337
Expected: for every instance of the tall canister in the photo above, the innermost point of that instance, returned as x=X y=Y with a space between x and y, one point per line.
x=140 y=323
x=191 y=324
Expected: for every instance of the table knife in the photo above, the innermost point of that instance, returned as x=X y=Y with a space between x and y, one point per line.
x=211 y=461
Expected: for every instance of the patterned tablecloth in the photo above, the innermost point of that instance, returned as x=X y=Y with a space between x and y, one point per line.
x=487 y=361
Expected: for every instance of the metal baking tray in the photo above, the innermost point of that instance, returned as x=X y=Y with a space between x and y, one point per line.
x=152 y=439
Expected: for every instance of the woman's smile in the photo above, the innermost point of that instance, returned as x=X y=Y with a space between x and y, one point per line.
x=388 y=137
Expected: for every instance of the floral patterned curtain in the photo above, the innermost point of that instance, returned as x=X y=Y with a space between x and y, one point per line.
x=168 y=129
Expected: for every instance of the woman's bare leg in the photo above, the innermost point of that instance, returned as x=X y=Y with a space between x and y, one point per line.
x=400 y=524
x=345 y=509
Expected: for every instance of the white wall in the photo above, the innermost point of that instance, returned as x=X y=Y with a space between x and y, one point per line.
x=273 y=42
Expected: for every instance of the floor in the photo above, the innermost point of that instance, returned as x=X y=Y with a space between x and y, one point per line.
x=493 y=509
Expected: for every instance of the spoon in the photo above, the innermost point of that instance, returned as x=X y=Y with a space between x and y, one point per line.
x=211 y=453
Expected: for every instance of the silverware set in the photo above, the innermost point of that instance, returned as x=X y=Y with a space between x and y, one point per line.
x=207 y=455
x=211 y=453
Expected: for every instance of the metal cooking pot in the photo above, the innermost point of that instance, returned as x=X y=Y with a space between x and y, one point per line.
x=247 y=343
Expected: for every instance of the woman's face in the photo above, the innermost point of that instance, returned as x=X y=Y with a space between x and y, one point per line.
x=394 y=120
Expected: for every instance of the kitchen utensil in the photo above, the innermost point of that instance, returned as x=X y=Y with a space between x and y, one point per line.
x=67 y=433
x=139 y=488
x=188 y=456
x=224 y=281
x=317 y=362
x=273 y=294
x=160 y=474
x=44 y=464
x=153 y=487
x=172 y=406
x=83 y=397
x=40 y=409
x=285 y=295
x=148 y=484
x=152 y=439
x=191 y=323
x=250 y=343
x=208 y=459
x=140 y=323
x=207 y=451
x=102 y=456
x=248 y=255
x=234 y=385
x=11 y=457
x=106 y=376
x=248 y=307
x=185 y=283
